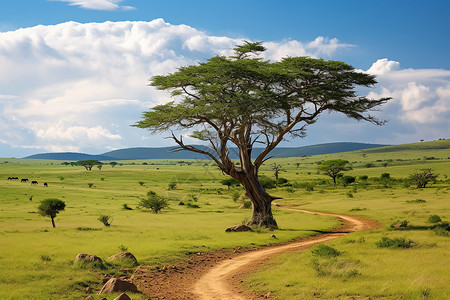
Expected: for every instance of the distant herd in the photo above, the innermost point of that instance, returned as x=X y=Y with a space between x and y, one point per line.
x=33 y=182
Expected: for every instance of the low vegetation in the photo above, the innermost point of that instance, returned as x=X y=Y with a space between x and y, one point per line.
x=37 y=260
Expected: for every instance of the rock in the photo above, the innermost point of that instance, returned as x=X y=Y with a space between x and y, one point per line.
x=123 y=255
x=115 y=285
x=238 y=228
x=87 y=258
x=122 y=296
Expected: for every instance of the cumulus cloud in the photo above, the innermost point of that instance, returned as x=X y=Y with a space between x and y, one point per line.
x=421 y=98
x=73 y=86
x=98 y=4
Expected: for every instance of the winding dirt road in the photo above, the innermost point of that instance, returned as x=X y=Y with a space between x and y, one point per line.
x=218 y=274
x=215 y=284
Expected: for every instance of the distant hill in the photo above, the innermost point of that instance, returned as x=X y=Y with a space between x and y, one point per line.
x=166 y=153
x=69 y=156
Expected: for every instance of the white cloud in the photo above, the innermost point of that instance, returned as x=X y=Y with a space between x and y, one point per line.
x=72 y=86
x=98 y=4
x=421 y=99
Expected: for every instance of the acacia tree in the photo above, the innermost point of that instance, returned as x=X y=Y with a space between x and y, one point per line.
x=243 y=100
x=88 y=164
x=333 y=167
x=50 y=208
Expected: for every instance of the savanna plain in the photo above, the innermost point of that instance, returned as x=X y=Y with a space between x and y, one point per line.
x=407 y=257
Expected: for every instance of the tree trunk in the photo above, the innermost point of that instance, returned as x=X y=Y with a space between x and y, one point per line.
x=53 y=222
x=261 y=202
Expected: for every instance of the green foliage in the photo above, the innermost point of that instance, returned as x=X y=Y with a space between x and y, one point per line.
x=191 y=205
x=347 y=179
x=88 y=164
x=154 y=202
x=50 y=208
x=141 y=183
x=90 y=184
x=267 y=182
x=235 y=196
x=403 y=242
x=105 y=220
x=325 y=251
x=172 y=185
x=247 y=204
x=434 y=219
x=282 y=181
x=333 y=167
x=423 y=177
x=363 y=177
x=229 y=182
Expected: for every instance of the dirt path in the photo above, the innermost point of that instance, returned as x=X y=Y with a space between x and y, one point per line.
x=217 y=275
x=215 y=283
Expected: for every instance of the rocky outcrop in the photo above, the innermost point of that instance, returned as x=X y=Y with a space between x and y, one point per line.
x=124 y=256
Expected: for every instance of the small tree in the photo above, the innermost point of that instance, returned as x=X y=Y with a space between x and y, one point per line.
x=230 y=182
x=153 y=202
x=277 y=168
x=333 y=167
x=88 y=164
x=113 y=164
x=50 y=208
x=423 y=177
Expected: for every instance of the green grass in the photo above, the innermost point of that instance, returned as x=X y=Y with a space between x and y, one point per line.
x=36 y=260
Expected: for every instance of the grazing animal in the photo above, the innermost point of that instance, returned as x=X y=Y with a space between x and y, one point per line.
x=34 y=182
x=45 y=184
x=9 y=178
x=24 y=180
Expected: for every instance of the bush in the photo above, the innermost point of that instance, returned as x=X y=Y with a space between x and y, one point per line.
x=190 y=205
x=247 y=204
x=282 y=181
x=386 y=242
x=400 y=224
x=423 y=177
x=105 y=220
x=325 y=251
x=154 y=202
x=434 y=219
x=267 y=183
x=385 y=176
x=347 y=179
x=126 y=207
x=363 y=177
x=172 y=185
x=236 y=195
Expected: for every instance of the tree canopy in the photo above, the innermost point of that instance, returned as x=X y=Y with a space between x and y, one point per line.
x=333 y=167
x=50 y=208
x=243 y=100
x=88 y=164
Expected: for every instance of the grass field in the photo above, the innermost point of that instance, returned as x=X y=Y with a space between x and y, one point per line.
x=36 y=261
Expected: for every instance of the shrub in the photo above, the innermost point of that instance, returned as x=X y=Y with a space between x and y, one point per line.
x=90 y=185
x=386 y=242
x=282 y=181
x=363 y=177
x=153 y=202
x=325 y=251
x=349 y=194
x=105 y=220
x=442 y=229
x=434 y=219
x=236 y=195
x=126 y=207
x=190 y=205
x=267 y=183
x=247 y=204
x=172 y=185
x=400 y=224
x=141 y=183
x=347 y=179
x=385 y=176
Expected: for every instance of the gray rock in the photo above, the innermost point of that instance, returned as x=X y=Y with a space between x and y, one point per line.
x=115 y=285
x=87 y=258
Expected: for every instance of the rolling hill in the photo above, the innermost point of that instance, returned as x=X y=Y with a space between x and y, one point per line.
x=166 y=153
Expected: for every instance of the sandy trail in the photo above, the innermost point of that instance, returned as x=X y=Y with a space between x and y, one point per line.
x=215 y=284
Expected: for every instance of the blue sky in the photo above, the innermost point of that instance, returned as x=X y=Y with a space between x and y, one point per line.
x=51 y=74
